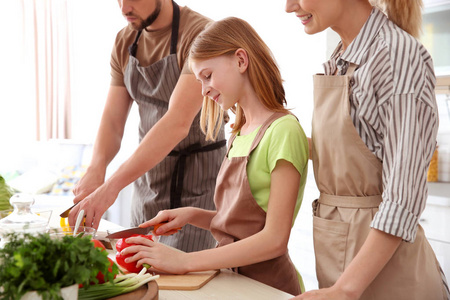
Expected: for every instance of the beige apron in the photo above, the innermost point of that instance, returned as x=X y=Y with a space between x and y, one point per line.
x=239 y=216
x=349 y=177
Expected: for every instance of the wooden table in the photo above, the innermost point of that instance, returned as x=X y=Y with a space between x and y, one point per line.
x=226 y=285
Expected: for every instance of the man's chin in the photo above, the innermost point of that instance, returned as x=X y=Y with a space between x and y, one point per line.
x=134 y=26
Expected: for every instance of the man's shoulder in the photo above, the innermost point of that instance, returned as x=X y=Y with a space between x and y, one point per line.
x=125 y=37
x=192 y=21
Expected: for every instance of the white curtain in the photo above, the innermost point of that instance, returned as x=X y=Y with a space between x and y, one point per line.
x=46 y=42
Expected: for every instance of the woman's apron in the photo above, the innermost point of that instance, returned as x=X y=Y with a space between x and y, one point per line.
x=239 y=216
x=187 y=176
x=349 y=178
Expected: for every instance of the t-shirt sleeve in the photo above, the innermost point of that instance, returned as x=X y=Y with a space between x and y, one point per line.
x=117 y=61
x=288 y=142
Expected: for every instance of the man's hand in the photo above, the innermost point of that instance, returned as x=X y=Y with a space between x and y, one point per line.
x=94 y=206
x=87 y=184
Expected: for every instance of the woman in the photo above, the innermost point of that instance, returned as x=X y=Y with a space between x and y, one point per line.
x=262 y=178
x=374 y=129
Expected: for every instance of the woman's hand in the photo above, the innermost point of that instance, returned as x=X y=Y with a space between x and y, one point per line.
x=161 y=257
x=324 y=294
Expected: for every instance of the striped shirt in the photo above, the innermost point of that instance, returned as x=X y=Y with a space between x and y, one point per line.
x=394 y=110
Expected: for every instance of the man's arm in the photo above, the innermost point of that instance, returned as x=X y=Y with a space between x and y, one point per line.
x=107 y=142
x=185 y=103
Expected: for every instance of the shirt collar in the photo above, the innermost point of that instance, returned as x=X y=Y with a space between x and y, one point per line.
x=359 y=46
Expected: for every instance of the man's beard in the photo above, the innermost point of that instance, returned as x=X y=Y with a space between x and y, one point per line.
x=153 y=16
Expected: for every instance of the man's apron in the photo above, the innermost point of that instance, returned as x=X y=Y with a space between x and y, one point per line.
x=239 y=216
x=187 y=176
x=349 y=178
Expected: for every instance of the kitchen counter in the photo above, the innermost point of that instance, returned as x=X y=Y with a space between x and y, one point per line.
x=226 y=285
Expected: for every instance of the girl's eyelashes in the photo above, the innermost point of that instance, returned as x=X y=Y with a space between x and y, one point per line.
x=208 y=76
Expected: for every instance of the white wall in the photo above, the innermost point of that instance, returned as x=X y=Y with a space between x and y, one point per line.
x=95 y=24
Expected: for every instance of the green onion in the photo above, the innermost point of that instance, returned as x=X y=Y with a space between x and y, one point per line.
x=121 y=285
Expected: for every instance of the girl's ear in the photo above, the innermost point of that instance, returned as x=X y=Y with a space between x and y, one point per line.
x=242 y=59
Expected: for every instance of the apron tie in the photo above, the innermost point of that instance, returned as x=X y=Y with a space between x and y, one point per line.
x=176 y=184
x=350 y=201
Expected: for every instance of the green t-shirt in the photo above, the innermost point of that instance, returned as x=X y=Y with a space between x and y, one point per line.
x=284 y=139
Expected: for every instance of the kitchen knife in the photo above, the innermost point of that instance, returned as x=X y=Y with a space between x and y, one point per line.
x=65 y=213
x=137 y=230
x=129 y=232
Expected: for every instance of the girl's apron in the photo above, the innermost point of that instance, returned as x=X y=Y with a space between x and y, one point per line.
x=187 y=176
x=239 y=216
x=349 y=178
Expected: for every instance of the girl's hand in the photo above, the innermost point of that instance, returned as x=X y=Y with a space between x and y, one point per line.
x=172 y=220
x=161 y=257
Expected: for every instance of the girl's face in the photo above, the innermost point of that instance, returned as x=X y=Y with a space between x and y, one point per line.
x=222 y=79
x=317 y=15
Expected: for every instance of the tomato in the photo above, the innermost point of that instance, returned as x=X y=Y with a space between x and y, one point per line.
x=121 y=244
x=120 y=259
x=98 y=244
x=130 y=267
x=100 y=276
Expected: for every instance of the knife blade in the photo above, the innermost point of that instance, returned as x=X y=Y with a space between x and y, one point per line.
x=129 y=232
x=65 y=213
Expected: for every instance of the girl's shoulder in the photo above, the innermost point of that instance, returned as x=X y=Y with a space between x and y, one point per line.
x=285 y=123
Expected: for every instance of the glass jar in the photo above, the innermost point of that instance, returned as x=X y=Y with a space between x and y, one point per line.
x=22 y=219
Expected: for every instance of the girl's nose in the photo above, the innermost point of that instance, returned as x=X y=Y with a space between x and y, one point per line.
x=205 y=90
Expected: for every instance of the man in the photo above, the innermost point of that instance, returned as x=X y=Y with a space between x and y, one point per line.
x=173 y=165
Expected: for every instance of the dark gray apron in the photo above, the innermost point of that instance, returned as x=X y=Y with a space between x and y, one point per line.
x=187 y=176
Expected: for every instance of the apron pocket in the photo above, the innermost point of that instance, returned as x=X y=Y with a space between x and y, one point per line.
x=330 y=242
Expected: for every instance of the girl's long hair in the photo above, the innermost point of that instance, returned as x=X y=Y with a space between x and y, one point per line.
x=224 y=37
x=407 y=14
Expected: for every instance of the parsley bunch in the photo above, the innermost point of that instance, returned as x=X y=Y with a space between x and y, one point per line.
x=44 y=264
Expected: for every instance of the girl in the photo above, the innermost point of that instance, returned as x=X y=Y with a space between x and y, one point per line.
x=261 y=182
x=374 y=129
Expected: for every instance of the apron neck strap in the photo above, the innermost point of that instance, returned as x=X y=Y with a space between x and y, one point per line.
x=173 y=39
x=175 y=26
x=133 y=48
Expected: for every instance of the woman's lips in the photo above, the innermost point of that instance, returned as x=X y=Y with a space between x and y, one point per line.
x=305 y=18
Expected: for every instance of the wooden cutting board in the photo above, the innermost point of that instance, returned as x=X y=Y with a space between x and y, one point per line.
x=187 y=282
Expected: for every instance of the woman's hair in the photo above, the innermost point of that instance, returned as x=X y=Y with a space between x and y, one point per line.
x=224 y=37
x=407 y=14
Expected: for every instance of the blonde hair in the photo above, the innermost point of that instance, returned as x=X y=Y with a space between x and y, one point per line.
x=406 y=14
x=224 y=37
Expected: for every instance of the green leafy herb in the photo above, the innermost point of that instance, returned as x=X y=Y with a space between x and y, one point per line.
x=5 y=194
x=44 y=264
